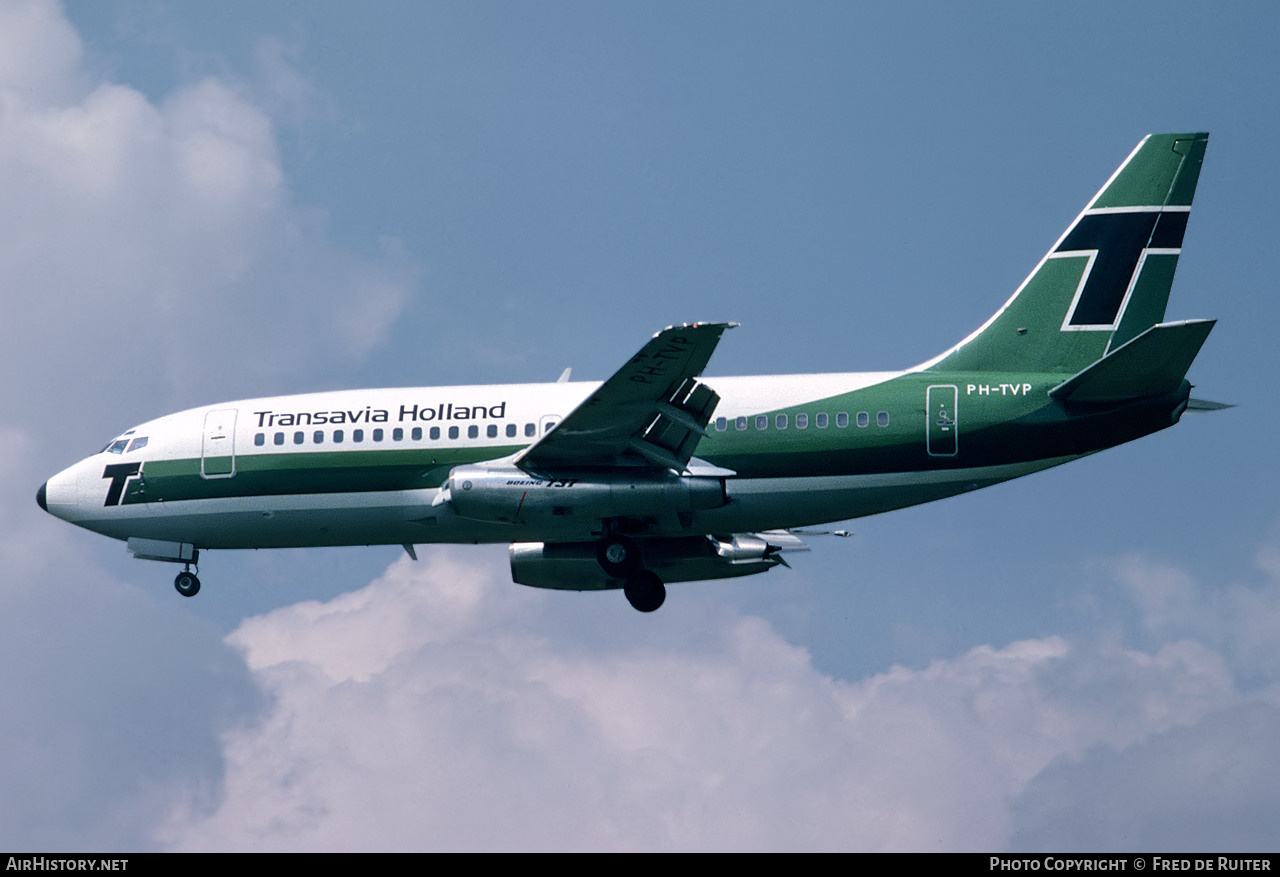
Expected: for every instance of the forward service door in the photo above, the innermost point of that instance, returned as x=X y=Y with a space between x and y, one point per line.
x=218 y=449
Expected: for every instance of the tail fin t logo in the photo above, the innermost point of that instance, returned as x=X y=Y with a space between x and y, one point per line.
x=1117 y=241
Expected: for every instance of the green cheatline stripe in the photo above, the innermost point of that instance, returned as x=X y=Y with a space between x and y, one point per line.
x=991 y=429
x=315 y=472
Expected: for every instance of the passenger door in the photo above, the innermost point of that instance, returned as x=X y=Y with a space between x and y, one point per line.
x=218 y=449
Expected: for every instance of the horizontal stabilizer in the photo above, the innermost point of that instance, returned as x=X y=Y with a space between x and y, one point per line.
x=1152 y=364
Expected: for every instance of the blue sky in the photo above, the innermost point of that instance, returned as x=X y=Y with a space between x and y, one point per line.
x=215 y=202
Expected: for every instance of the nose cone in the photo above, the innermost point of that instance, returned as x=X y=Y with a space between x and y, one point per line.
x=60 y=495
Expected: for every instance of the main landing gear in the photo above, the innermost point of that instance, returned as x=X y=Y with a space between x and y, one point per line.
x=644 y=590
x=187 y=583
x=620 y=558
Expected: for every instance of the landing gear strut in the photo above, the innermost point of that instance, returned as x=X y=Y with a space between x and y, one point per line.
x=645 y=590
x=187 y=583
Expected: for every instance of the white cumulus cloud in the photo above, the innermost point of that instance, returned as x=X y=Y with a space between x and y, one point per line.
x=152 y=246
x=434 y=709
x=148 y=247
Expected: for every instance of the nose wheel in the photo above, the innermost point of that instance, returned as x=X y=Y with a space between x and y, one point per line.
x=187 y=583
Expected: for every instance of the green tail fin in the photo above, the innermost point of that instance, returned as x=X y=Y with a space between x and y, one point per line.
x=1107 y=279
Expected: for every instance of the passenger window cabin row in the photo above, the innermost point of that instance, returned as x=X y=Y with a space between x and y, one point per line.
x=397 y=434
x=512 y=430
x=783 y=421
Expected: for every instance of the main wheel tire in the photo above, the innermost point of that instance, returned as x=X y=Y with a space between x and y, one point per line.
x=618 y=556
x=187 y=583
x=645 y=591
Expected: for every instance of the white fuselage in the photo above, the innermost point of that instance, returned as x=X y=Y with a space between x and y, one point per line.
x=367 y=466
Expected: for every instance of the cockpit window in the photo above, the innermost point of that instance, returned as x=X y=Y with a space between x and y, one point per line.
x=124 y=445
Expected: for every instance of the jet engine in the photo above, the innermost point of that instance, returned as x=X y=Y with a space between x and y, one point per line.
x=508 y=495
x=574 y=566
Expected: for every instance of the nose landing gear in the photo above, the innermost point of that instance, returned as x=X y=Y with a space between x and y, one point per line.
x=187 y=583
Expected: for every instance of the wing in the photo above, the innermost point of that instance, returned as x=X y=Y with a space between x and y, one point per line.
x=651 y=413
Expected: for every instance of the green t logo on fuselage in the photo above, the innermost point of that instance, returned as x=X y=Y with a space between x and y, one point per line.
x=119 y=473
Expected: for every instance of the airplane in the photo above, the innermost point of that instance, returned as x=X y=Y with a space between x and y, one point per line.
x=660 y=475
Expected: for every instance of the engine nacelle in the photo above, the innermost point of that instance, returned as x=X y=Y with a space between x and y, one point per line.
x=507 y=495
x=574 y=566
